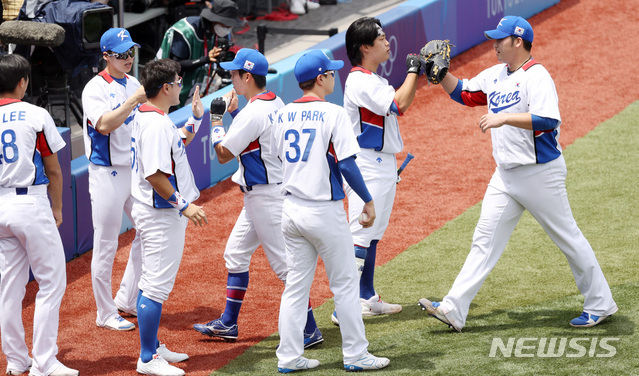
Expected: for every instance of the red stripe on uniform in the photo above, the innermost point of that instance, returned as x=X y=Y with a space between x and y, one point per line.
x=235 y=294
x=5 y=101
x=361 y=69
x=371 y=118
x=472 y=99
x=254 y=145
x=107 y=77
x=529 y=64
x=42 y=145
x=331 y=151
x=267 y=96
x=146 y=108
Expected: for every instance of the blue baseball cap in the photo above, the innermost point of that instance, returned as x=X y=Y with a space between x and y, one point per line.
x=511 y=26
x=117 y=40
x=314 y=63
x=249 y=60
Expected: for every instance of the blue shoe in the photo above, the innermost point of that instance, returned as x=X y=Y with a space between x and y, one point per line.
x=368 y=361
x=587 y=320
x=298 y=364
x=433 y=308
x=313 y=339
x=334 y=318
x=215 y=328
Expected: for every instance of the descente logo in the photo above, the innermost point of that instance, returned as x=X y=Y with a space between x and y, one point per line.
x=545 y=347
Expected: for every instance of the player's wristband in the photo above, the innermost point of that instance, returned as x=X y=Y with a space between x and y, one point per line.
x=234 y=113
x=193 y=124
x=217 y=134
x=178 y=201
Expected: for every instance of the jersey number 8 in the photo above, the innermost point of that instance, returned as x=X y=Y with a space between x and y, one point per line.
x=293 y=156
x=9 y=143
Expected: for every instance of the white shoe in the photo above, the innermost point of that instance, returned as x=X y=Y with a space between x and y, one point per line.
x=312 y=5
x=170 y=356
x=158 y=366
x=366 y=362
x=63 y=370
x=13 y=371
x=376 y=306
x=297 y=7
x=118 y=323
x=298 y=364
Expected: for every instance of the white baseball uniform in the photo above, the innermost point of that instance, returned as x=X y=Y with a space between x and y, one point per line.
x=368 y=100
x=530 y=175
x=250 y=138
x=158 y=145
x=110 y=190
x=311 y=136
x=28 y=235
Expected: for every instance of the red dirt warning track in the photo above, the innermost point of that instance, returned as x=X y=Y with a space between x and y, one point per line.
x=452 y=165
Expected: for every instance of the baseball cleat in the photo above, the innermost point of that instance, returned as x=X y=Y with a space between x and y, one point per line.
x=334 y=318
x=376 y=306
x=367 y=362
x=215 y=328
x=434 y=309
x=13 y=371
x=587 y=320
x=63 y=370
x=171 y=356
x=313 y=339
x=158 y=366
x=118 y=323
x=298 y=364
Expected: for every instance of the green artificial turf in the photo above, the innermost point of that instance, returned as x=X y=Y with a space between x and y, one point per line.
x=529 y=297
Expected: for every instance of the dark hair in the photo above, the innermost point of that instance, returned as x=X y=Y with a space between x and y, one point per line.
x=527 y=44
x=362 y=31
x=308 y=85
x=13 y=68
x=156 y=73
x=260 y=81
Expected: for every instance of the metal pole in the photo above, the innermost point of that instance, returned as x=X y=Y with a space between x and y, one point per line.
x=120 y=13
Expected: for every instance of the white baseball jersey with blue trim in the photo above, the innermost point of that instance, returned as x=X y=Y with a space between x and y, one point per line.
x=529 y=89
x=368 y=100
x=250 y=138
x=27 y=133
x=312 y=135
x=157 y=145
x=101 y=95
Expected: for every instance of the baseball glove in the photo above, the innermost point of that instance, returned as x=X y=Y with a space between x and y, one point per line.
x=436 y=55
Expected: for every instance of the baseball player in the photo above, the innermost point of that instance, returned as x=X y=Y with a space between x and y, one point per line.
x=523 y=116
x=250 y=138
x=109 y=101
x=373 y=107
x=29 y=236
x=163 y=189
x=317 y=147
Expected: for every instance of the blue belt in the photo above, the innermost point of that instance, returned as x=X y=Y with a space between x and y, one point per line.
x=22 y=191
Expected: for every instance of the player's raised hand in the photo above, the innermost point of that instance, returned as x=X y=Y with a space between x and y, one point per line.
x=367 y=218
x=196 y=105
x=233 y=102
x=140 y=95
x=196 y=214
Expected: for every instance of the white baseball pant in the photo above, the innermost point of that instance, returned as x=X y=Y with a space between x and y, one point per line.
x=313 y=228
x=540 y=189
x=29 y=237
x=110 y=190
x=379 y=171
x=259 y=222
x=162 y=232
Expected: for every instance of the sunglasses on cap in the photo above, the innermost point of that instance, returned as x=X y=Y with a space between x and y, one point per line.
x=332 y=73
x=124 y=55
x=178 y=82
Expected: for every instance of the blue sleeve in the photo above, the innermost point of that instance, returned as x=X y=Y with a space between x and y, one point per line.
x=543 y=123
x=456 y=94
x=353 y=176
